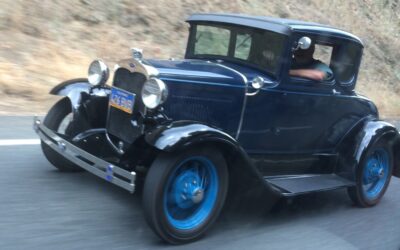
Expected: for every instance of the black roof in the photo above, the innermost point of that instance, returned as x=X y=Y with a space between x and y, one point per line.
x=280 y=25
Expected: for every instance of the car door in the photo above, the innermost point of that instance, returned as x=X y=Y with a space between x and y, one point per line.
x=286 y=119
x=300 y=116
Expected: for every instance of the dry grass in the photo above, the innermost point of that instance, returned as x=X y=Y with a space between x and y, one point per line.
x=45 y=42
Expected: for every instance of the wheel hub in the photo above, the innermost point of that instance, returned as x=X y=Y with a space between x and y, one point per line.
x=381 y=173
x=197 y=195
x=192 y=193
x=188 y=191
x=376 y=173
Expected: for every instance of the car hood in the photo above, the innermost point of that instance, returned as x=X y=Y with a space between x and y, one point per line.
x=198 y=71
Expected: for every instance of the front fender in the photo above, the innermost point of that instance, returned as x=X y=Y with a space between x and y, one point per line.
x=177 y=135
x=356 y=144
x=73 y=89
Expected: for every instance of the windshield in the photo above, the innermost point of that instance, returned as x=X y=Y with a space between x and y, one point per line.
x=258 y=48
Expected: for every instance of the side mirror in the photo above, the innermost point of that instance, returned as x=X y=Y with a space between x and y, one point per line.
x=304 y=43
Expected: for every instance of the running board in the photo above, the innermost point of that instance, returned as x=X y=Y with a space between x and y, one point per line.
x=292 y=185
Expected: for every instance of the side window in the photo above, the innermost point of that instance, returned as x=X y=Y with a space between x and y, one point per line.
x=218 y=37
x=314 y=63
x=345 y=63
x=323 y=53
x=243 y=46
x=266 y=50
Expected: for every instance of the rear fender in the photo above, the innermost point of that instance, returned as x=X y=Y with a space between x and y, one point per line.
x=357 y=142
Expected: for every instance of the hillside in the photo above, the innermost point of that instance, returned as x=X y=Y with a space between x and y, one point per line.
x=45 y=42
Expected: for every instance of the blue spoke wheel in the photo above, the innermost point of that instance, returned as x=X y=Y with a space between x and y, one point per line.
x=373 y=176
x=184 y=193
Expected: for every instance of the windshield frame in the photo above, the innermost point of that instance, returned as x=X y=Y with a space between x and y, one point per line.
x=234 y=29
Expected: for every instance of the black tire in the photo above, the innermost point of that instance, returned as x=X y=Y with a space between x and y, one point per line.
x=53 y=120
x=357 y=194
x=158 y=181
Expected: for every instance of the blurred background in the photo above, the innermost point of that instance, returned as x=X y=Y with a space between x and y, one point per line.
x=45 y=42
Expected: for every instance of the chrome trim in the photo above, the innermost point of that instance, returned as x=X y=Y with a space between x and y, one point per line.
x=246 y=83
x=253 y=93
x=134 y=65
x=100 y=91
x=137 y=66
x=98 y=167
x=242 y=114
x=104 y=72
x=116 y=149
x=304 y=43
x=88 y=133
x=137 y=54
x=163 y=92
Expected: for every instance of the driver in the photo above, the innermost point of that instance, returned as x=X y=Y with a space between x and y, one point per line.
x=304 y=65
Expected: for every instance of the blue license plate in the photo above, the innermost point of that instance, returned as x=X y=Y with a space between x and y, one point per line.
x=122 y=100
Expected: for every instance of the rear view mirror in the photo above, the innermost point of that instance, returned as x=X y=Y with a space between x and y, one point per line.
x=304 y=43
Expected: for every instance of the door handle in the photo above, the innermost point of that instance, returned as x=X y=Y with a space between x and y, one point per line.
x=335 y=92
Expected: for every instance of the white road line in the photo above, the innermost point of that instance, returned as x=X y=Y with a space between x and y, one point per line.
x=19 y=142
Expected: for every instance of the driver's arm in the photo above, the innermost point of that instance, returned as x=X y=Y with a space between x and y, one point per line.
x=312 y=74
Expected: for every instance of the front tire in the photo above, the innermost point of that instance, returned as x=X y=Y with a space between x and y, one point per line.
x=373 y=175
x=53 y=120
x=184 y=194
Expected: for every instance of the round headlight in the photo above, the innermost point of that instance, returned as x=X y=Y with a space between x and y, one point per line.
x=98 y=73
x=154 y=93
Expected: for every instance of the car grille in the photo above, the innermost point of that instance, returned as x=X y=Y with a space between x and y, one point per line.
x=126 y=126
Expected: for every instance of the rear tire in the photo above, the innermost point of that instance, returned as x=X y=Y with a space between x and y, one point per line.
x=184 y=194
x=373 y=175
x=53 y=120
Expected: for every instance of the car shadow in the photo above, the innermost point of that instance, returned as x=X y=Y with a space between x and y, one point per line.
x=248 y=211
x=263 y=210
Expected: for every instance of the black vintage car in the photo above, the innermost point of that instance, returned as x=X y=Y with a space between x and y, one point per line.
x=240 y=106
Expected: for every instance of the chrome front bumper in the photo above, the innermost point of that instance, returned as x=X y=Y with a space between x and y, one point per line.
x=89 y=162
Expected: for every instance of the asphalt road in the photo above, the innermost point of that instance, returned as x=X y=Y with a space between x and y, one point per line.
x=41 y=208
